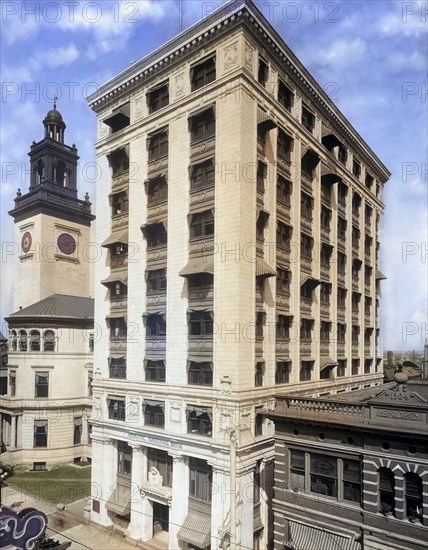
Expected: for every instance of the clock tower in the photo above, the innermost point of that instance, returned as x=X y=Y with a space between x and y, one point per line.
x=53 y=224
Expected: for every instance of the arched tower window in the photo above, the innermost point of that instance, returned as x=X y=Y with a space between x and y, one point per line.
x=60 y=173
x=13 y=341
x=35 y=340
x=413 y=494
x=40 y=170
x=386 y=491
x=22 y=340
x=49 y=340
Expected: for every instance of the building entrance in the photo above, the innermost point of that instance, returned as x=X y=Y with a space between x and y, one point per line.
x=160 y=517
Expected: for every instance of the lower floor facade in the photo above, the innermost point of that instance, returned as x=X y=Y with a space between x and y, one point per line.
x=146 y=485
x=38 y=436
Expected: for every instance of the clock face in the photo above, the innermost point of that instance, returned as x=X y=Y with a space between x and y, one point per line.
x=26 y=242
x=66 y=244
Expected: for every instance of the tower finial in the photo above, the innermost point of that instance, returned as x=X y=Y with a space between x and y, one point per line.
x=55 y=100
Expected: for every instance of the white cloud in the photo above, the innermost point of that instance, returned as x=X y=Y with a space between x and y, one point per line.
x=403 y=22
x=55 y=57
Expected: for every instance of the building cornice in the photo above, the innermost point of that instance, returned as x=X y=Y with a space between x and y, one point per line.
x=210 y=28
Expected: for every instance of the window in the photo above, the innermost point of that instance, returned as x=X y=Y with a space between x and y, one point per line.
x=258 y=424
x=413 y=495
x=325 y=293
x=23 y=340
x=155 y=371
x=263 y=72
x=200 y=374
x=118 y=328
x=367 y=305
x=341 y=333
x=325 y=218
x=77 y=431
x=342 y=192
x=157 y=191
x=203 y=73
x=342 y=154
x=306 y=370
x=367 y=275
x=158 y=145
x=356 y=266
x=308 y=164
x=368 y=336
x=156 y=235
x=355 y=334
x=13 y=341
x=12 y=383
x=283 y=280
x=308 y=119
x=352 y=480
x=325 y=192
x=116 y=409
x=199 y=420
x=306 y=246
x=156 y=281
x=325 y=329
x=91 y=343
x=156 y=325
x=118 y=161
x=154 y=413
x=117 y=367
x=306 y=292
x=341 y=263
x=119 y=204
x=368 y=214
x=356 y=168
x=162 y=461
x=282 y=372
x=200 y=324
x=261 y=175
x=369 y=181
x=202 y=224
x=341 y=228
x=356 y=203
x=283 y=327
x=40 y=433
x=326 y=252
x=341 y=297
x=200 y=479
x=307 y=205
x=202 y=175
x=283 y=236
x=41 y=384
x=386 y=491
x=90 y=379
x=341 y=367
x=285 y=145
x=297 y=470
x=202 y=126
x=368 y=242
x=283 y=190
x=49 y=340
x=35 y=340
x=258 y=374
x=356 y=233
x=285 y=95
x=355 y=366
x=368 y=366
x=323 y=475
x=306 y=326
x=124 y=458
x=158 y=97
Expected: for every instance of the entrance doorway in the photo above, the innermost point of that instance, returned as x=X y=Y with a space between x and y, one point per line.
x=160 y=517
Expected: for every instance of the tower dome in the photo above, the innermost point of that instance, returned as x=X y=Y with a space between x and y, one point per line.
x=54 y=124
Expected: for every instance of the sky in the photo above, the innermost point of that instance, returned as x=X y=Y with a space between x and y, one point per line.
x=369 y=56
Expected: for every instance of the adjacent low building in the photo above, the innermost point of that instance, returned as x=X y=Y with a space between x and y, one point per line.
x=351 y=470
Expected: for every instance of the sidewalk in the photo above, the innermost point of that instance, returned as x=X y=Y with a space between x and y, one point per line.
x=70 y=524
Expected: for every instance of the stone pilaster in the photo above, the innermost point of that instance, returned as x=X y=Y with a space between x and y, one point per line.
x=180 y=496
x=104 y=460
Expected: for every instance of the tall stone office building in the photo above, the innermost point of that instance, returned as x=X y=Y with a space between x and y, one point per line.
x=47 y=398
x=239 y=215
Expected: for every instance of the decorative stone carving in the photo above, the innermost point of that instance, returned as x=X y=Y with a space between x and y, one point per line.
x=230 y=56
x=155 y=478
x=175 y=413
x=249 y=58
x=179 y=85
x=139 y=107
x=102 y=129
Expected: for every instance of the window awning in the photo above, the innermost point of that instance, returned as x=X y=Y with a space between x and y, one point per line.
x=158 y=86
x=147 y=226
x=305 y=536
x=115 y=315
x=379 y=275
x=196 y=529
x=199 y=410
x=327 y=362
x=119 y=115
x=201 y=111
x=198 y=359
x=329 y=138
x=200 y=307
x=117 y=237
x=152 y=403
x=203 y=264
x=119 y=277
x=116 y=355
x=305 y=278
x=120 y=500
x=263 y=269
x=152 y=357
x=328 y=175
x=265 y=121
x=157 y=174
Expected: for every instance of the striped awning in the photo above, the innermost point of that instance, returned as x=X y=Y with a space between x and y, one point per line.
x=327 y=362
x=263 y=269
x=196 y=529
x=305 y=278
x=117 y=237
x=305 y=537
x=264 y=120
x=202 y=264
x=120 y=500
x=379 y=275
x=119 y=277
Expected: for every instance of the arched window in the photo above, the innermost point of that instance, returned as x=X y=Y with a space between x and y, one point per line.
x=35 y=340
x=39 y=172
x=59 y=173
x=22 y=340
x=49 y=340
x=386 y=491
x=413 y=494
x=13 y=341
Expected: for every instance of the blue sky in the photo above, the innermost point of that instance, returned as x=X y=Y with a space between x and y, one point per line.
x=370 y=56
